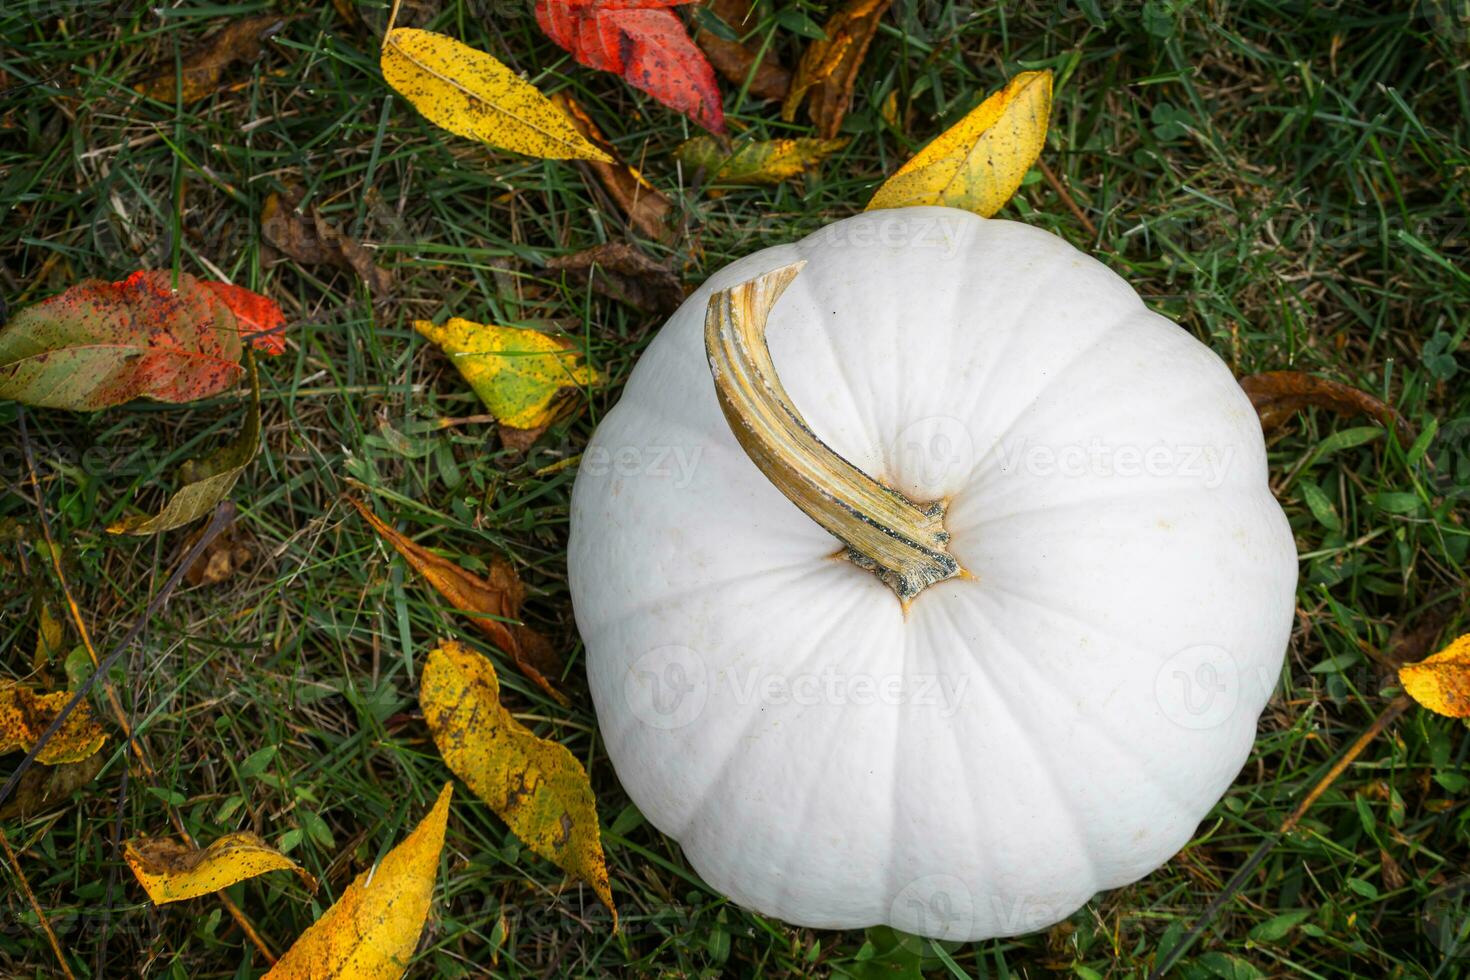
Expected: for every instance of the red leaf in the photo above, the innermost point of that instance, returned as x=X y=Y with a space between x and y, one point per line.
x=100 y=344
x=261 y=320
x=645 y=43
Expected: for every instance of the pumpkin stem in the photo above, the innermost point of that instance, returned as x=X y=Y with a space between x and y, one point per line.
x=899 y=540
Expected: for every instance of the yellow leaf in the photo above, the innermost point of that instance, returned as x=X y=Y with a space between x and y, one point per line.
x=374 y=928
x=977 y=163
x=171 y=872
x=536 y=786
x=1441 y=683
x=520 y=375
x=489 y=601
x=49 y=636
x=25 y=715
x=759 y=162
x=471 y=94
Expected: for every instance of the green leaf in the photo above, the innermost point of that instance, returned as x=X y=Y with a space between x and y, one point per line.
x=1347 y=439
x=1396 y=503
x=1365 y=888
x=256 y=761
x=1278 y=926
x=1320 y=506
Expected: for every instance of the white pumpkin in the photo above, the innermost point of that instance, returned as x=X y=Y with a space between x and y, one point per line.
x=977 y=759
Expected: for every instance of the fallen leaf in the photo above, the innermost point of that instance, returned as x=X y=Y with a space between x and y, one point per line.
x=261 y=321
x=50 y=634
x=206 y=481
x=735 y=60
x=42 y=788
x=646 y=207
x=489 y=602
x=524 y=377
x=645 y=43
x=372 y=931
x=25 y=714
x=756 y=163
x=219 y=561
x=1441 y=683
x=535 y=785
x=100 y=344
x=977 y=163
x=472 y=95
x=312 y=240
x=201 y=69
x=172 y=872
x=347 y=10
x=1278 y=395
x=828 y=69
x=621 y=272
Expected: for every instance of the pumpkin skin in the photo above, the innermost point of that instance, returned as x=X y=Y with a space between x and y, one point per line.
x=1054 y=724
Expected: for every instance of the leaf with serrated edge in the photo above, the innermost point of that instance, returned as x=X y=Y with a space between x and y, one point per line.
x=101 y=344
x=1441 y=683
x=536 y=786
x=373 y=930
x=172 y=872
x=471 y=94
x=978 y=163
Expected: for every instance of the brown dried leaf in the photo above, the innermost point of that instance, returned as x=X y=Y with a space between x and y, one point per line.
x=1277 y=395
x=619 y=271
x=828 y=69
x=311 y=240
x=221 y=558
x=735 y=60
x=200 y=70
x=43 y=788
x=488 y=601
x=645 y=205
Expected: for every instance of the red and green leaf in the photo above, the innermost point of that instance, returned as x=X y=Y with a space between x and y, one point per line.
x=101 y=344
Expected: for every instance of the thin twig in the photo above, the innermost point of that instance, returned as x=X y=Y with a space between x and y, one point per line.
x=25 y=886
x=1066 y=197
x=1395 y=708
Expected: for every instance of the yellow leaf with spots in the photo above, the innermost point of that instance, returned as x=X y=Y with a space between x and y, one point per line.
x=471 y=94
x=373 y=930
x=522 y=376
x=172 y=872
x=1441 y=683
x=536 y=786
x=977 y=163
x=25 y=715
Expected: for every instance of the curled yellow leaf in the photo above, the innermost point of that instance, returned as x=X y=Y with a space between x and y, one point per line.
x=1441 y=683
x=522 y=376
x=25 y=714
x=172 y=872
x=977 y=163
x=536 y=786
x=373 y=930
x=473 y=95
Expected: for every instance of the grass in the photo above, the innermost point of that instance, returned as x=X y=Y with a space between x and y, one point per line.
x=1286 y=180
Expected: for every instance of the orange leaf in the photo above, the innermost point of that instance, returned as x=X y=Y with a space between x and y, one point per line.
x=1277 y=395
x=489 y=602
x=261 y=321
